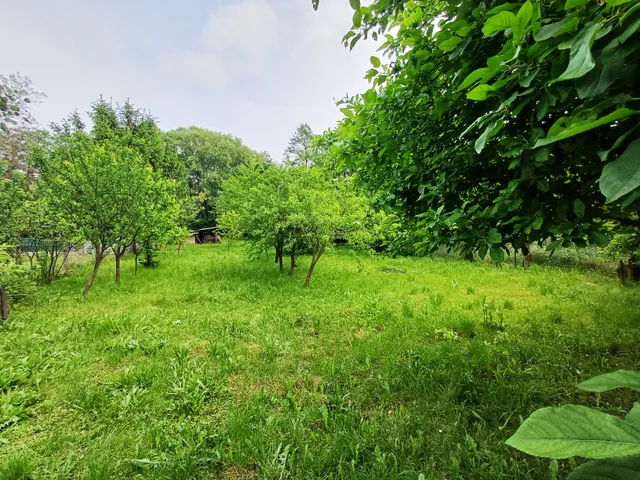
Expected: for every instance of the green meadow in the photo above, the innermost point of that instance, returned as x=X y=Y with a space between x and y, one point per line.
x=214 y=366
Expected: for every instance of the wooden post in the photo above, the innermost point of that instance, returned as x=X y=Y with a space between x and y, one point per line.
x=4 y=303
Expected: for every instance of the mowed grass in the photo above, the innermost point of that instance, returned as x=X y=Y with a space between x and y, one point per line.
x=213 y=366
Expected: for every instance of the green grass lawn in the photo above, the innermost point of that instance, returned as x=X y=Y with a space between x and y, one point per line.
x=213 y=366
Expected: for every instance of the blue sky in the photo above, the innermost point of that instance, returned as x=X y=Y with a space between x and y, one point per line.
x=252 y=68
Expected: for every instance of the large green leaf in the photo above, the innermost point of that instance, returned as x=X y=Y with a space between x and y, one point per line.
x=575 y=431
x=494 y=236
x=553 y=29
x=598 y=80
x=622 y=175
x=627 y=468
x=481 y=92
x=491 y=131
x=520 y=22
x=474 y=77
x=581 y=61
x=633 y=417
x=355 y=4
x=609 y=381
x=574 y=126
x=499 y=22
x=449 y=44
x=496 y=254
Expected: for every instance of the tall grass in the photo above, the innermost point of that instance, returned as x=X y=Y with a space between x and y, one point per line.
x=212 y=366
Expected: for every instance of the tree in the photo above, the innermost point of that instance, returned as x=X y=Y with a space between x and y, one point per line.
x=210 y=158
x=508 y=124
x=229 y=225
x=46 y=236
x=293 y=210
x=301 y=150
x=97 y=187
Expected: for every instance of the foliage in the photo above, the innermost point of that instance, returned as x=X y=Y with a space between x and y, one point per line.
x=573 y=430
x=100 y=189
x=229 y=225
x=14 y=277
x=301 y=150
x=352 y=371
x=209 y=158
x=491 y=122
x=46 y=235
x=12 y=197
x=293 y=209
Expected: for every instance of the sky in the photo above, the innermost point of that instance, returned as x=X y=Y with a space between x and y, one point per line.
x=253 y=68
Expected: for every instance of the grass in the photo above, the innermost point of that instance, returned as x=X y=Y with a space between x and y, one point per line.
x=212 y=366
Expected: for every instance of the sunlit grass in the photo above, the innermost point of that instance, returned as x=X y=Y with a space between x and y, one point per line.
x=212 y=366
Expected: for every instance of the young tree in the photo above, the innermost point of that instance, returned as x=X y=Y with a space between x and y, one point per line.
x=98 y=188
x=47 y=236
x=500 y=124
x=229 y=225
x=292 y=210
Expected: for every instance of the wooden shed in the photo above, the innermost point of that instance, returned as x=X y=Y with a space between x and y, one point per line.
x=205 y=235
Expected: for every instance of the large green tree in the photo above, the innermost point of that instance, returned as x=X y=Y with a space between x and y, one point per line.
x=210 y=158
x=498 y=123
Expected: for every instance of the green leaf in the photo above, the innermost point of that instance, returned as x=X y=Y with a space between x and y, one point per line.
x=522 y=19
x=633 y=417
x=449 y=44
x=633 y=28
x=375 y=61
x=615 y=3
x=357 y=20
x=494 y=236
x=499 y=22
x=355 y=4
x=622 y=175
x=578 y=208
x=598 y=80
x=480 y=92
x=571 y=4
x=608 y=469
x=550 y=30
x=496 y=254
x=482 y=252
x=599 y=238
x=581 y=61
x=537 y=223
x=474 y=77
x=611 y=381
x=348 y=112
x=576 y=126
x=554 y=245
x=575 y=431
x=489 y=132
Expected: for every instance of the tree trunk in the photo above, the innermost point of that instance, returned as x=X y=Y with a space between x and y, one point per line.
x=118 y=257
x=280 y=260
x=293 y=259
x=314 y=260
x=179 y=248
x=137 y=255
x=4 y=303
x=96 y=266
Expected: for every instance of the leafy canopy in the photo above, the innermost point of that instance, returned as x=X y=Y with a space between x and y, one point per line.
x=497 y=123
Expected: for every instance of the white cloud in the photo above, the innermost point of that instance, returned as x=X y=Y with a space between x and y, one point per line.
x=236 y=41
